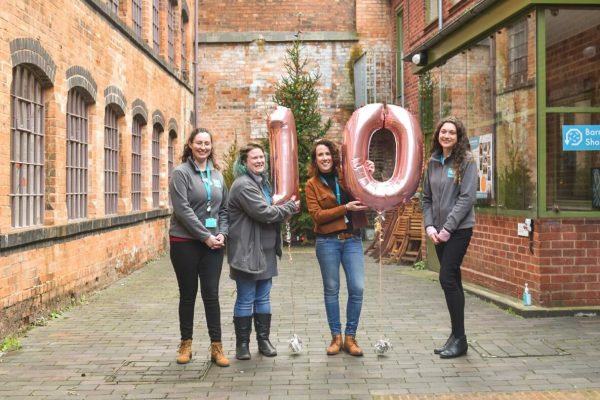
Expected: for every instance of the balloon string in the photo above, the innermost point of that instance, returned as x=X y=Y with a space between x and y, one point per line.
x=288 y=238
x=379 y=227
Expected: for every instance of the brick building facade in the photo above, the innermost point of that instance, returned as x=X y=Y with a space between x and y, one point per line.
x=516 y=89
x=92 y=118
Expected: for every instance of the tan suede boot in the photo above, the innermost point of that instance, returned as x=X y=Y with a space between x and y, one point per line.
x=335 y=346
x=351 y=346
x=185 y=352
x=217 y=356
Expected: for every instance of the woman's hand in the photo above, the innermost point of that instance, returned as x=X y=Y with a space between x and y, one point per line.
x=370 y=166
x=296 y=203
x=433 y=234
x=355 y=205
x=213 y=243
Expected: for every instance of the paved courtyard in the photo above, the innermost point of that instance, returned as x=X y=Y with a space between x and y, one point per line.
x=121 y=344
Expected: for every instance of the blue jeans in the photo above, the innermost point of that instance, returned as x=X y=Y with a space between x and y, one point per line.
x=330 y=253
x=252 y=297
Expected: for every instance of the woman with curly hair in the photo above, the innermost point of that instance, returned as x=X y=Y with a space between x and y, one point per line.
x=449 y=194
x=337 y=219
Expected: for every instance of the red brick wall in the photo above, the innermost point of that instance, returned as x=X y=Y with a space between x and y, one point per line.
x=37 y=276
x=276 y=15
x=563 y=271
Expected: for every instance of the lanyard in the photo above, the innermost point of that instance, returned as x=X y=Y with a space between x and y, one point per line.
x=206 y=182
x=337 y=188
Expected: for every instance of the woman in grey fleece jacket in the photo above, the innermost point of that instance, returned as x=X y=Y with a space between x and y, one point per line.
x=449 y=194
x=199 y=226
x=253 y=247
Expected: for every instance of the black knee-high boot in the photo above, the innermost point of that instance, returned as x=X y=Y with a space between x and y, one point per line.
x=262 y=325
x=243 y=328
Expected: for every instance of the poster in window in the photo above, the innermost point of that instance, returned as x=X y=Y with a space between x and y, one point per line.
x=595 y=187
x=481 y=147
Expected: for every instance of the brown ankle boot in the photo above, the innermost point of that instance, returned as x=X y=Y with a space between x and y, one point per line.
x=335 y=346
x=351 y=346
x=185 y=352
x=217 y=356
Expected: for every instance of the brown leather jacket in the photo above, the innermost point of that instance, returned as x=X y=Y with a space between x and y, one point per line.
x=326 y=213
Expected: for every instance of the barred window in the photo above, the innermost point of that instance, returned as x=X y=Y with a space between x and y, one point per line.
x=113 y=5
x=136 y=165
x=111 y=161
x=156 y=131
x=171 y=155
x=26 y=149
x=517 y=54
x=136 y=11
x=171 y=31
x=184 y=21
x=77 y=155
x=156 y=24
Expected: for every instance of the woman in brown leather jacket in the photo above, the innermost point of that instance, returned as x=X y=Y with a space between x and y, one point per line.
x=338 y=219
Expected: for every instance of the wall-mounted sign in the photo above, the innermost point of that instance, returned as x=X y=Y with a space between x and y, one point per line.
x=581 y=137
x=481 y=147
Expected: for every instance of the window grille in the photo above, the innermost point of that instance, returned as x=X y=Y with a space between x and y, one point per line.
x=111 y=161
x=156 y=25
x=77 y=155
x=113 y=5
x=517 y=54
x=171 y=157
x=156 y=131
x=136 y=165
x=183 y=46
x=171 y=32
x=136 y=8
x=26 y=149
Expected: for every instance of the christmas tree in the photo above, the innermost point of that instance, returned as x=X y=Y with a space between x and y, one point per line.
x=297 y=91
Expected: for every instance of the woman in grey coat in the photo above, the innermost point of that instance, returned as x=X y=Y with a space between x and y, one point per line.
x=449 y=194
x=253 y=246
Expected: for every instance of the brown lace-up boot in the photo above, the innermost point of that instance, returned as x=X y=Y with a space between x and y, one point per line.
x=335 y=346
x=217 y=356
x=185 y=352
x=351 y=346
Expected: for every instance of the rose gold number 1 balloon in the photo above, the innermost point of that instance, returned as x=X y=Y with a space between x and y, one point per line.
x=408 y=165
x=284 y=155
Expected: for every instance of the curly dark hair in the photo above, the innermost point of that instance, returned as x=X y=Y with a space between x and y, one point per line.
x=187 y=148
x=462 y=148
x=313 y=169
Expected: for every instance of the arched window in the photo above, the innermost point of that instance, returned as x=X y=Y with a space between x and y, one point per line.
x=136 y=164
x=77 y=155
x=111 y=161
x=26 y=149
x=156 y=131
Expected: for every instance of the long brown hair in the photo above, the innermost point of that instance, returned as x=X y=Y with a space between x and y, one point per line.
x=313 y=169
x=460 y=151
x=187 y=148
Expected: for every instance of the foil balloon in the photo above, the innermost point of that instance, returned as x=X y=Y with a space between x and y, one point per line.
x=284 y=155
x=382 y=346
x=408 y=166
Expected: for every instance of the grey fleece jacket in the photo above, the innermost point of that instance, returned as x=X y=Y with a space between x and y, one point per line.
x=446 y=204
x=254 y=229
x=189 y=199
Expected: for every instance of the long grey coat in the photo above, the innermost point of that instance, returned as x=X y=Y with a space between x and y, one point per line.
x=254 y=234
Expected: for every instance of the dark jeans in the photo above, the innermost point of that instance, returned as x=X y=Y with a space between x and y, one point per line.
x=193 y=260
x=451 y=255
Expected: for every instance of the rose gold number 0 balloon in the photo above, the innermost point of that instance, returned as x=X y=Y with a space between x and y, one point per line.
x=284 y=154
x=408 y=165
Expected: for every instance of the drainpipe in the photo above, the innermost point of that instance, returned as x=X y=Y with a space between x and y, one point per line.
x=195 y=64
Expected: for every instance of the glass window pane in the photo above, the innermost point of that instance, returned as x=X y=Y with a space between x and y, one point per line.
x=572 y=176
x=572 y=56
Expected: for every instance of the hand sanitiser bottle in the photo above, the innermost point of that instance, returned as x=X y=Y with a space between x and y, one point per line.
x=526 y=296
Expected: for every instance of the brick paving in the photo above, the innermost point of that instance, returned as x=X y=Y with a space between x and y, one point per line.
x=122 y=344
